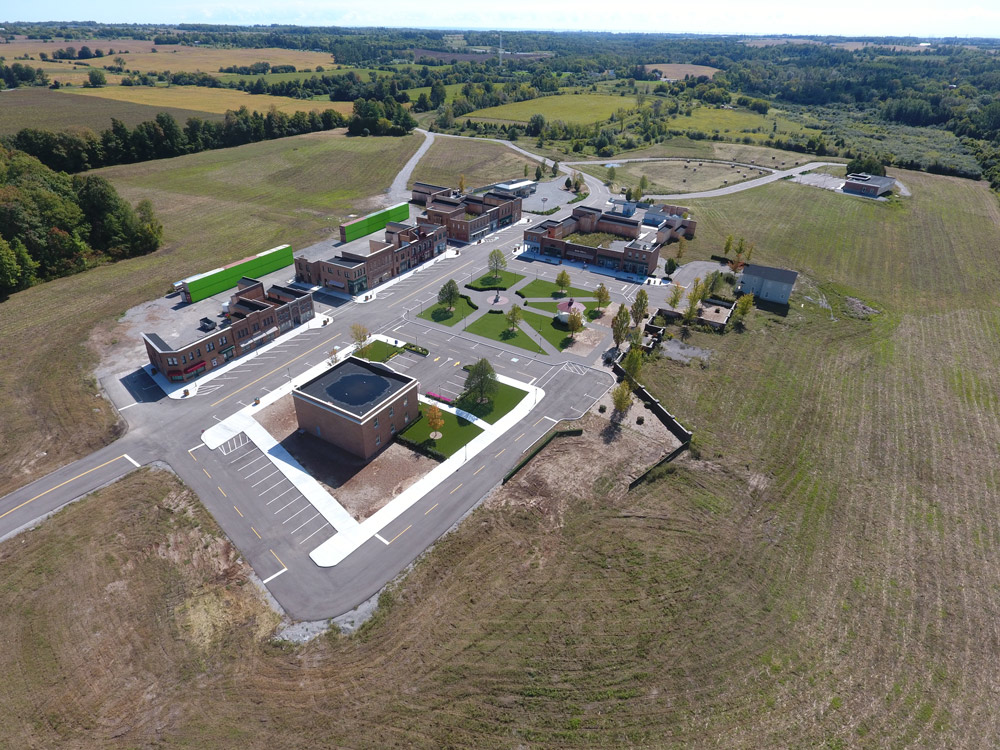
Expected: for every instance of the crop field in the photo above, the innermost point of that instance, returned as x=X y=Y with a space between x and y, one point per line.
x=214 y=211
x=482 y=162
x=670 y=177
x=571 y=108
x=679 y=70
x=822 y=574
x=204 y=99
x=36 y=107
x=177 y=58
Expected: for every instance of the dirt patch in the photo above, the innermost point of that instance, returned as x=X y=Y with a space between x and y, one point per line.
x=652 y=429
x=859 y=309
x=585 y=341
x=362 y=487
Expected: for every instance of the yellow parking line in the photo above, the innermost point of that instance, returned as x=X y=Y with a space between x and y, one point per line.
x=42 y=494
x=223 y=492
x=206 y=472
x=255 y=532
x=278 y=559
x=238 y=511
x=400 y=534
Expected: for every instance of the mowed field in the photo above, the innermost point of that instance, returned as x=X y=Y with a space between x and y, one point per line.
x=570 y=108
x=482 y=162
x=669 y=177
x=43 y=108
x=735 y=121
x=215 y=209
x=679 y=70
x=204 y=99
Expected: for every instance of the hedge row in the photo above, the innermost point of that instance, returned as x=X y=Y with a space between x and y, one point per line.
x=416 y=349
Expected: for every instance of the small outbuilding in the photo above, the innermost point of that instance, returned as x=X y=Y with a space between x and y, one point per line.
x=568 y=306
x=767 y=283
x=868 y=185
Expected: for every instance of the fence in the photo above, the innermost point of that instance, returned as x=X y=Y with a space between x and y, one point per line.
x=537 y=449
x=669 y=421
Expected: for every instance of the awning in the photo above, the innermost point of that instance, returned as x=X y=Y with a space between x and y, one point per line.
x=171 y=373
x=194 y=367
x=271 y=331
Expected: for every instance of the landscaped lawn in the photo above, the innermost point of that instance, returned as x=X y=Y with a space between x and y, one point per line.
x=551 y=329
x=506 y=280
x=379 y=351
x=542 y=288
x=494 y=327
x=506 y=399
x=592 y=313
x=455 y=433
x=441 y=314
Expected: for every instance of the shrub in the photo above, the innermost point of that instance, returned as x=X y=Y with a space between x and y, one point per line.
x=602 y=408
x=640 y=419
x=416 y=349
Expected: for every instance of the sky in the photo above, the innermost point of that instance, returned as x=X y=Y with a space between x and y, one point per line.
x=920 y=18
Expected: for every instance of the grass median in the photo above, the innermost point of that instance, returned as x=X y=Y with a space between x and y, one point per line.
x=495 y=327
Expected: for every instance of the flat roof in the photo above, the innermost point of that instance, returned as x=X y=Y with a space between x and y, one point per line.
x=514 y=185
x=356 y=386
x=769 y=273
x=862 y=178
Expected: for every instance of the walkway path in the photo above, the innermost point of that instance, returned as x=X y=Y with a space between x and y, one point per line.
x=398 y=191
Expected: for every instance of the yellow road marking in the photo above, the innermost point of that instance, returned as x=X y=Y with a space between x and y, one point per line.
x=192 y=456
x=479 y=469
x=42 y=494
x=400 y=534
x=498 y=454
x=519 y=437
x=255 y=532
x=206 y=472
x=223 y=492
x=431 y=508
x=436 y=359
x=418 y=291
x=457 y=363
x=238 y=511
x=538 y=421
x=453 y=491
x=278 y=559
x=281 y=367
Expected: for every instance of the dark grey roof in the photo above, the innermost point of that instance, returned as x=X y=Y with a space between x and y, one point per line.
x=768 y=273
x=160 y=344
x=871 y=179
x=356 y=386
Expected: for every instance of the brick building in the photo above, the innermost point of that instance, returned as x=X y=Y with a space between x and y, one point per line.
x=255 y=317
x=670 y=222
x=357 y=405
x=638 y=252
x=468 y=218
x=366 y=263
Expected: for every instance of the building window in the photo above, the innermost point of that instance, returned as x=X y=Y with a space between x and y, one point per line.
x=224 y=341
x=406 y=419
x=406 y=401
x=184 y=359
x=376 y=422
x=392 y=428
x=209 y=347
x=392 y=410
x=378 y=440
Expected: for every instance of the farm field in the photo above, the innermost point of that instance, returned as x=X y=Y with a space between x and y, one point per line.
x=677 y=71
x=204 y=99
x=482 y=162
x=735 y=121
x=571 y=108
x=214 y=211
x=669 y=177
x=39 y=107
x=451 y=90
x=824 y=573
x=175 y=58
x=309 y=71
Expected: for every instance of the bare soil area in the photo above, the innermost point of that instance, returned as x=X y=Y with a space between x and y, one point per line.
x=362 y=487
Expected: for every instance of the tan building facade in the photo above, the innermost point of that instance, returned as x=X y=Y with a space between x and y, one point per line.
x=356 y=405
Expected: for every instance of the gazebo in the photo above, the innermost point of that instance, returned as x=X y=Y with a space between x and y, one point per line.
x=570 y=305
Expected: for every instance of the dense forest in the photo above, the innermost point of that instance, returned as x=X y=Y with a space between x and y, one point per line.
x=54 y=225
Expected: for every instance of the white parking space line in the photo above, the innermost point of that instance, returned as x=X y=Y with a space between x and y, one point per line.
x=262 y=468
x=285 y=506
x=306 y=523
x=248 y=463
x=314 y=533
x=271 y=578
x=242 y=455
x=281 y=495
x=265 y=478
x=271 y=487
x=300 y=510
x=379 y=537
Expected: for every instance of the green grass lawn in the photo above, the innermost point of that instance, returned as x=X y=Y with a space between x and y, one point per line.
x=591 y=312
x=379 y=351
x=455 y=433
x=482 y=162
x=551 y=329
x=543 y=288
x=577 y=109
x=506 y=399
x=494 y=327
x=489 y=281
x=439 y=313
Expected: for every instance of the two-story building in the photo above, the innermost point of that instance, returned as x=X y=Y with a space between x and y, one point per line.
x=468 y=218
x=254 y=317
x=367 y=263
x=636 y=252
x=670 y=222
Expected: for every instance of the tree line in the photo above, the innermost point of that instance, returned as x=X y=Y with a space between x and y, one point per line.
x=52 y=224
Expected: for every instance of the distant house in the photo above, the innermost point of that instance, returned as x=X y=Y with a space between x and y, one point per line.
x=767 y=283
x=868 y=185
x=517 y=188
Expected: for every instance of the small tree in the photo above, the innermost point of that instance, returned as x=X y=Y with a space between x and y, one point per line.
x=555 y=168
x=619 y=325
x=742 y=308
x=569 y=183
x=497 y=262
x=632 y=364
x=670 y=265
x=675 y=295
x=96 y=78
x=574 y=322
x=612 y=173
x=461 y=183
x=603 y=296
x=435 y=420
x=577 y=181
x=514 y=316
x=621 y=397
x=681 y=247
x=640 y=306
x=359 y=335
x=628 y=194
x=563 y=281
x=449 y=294
x=526 y=169
x=728 y=247
x=643 y=186
x=481 y=384
x=538 y=173
x=749 y=253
